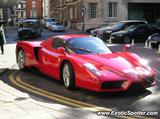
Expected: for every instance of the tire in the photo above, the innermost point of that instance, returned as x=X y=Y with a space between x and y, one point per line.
x=21 y=59
x=126 y=40
x=68 y=76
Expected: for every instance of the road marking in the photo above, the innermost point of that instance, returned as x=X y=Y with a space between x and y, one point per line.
x=55 y=97
x=18 y=82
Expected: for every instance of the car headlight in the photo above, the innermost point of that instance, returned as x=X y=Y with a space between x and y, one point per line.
x=149 y=38
x=93 y=69
x=145 y=63
x=108 y=32
x=132 y=72
x=119 y=35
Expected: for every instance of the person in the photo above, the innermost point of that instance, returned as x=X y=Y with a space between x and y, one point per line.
x=1 y=42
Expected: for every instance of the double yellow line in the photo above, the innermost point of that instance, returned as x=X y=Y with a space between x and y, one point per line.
x=16 y=80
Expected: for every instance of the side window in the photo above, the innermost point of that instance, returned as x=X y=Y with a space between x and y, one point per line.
x=126 y=25
x=142 y=29
x=57 y=42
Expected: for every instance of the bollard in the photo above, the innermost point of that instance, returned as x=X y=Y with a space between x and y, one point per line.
x=132 y=43
x=146 y=44
x=150 y=44
x=110 y=41
x=159 y=49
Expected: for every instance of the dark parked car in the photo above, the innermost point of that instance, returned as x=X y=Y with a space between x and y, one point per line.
x=105 y=33
x=139 y=33
x=91 y=30
x=29 y=29
x=155 y=38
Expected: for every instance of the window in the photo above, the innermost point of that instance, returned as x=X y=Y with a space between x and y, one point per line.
x=112 y=9
x=92 y=10
x=33 y=14
x=71 y=13
x=19 y=6
x=80 y=45
x=1 y=14
x=33 y=4
x=142 y=29
x=24 y=14
x=24 y=6
x=57 y=42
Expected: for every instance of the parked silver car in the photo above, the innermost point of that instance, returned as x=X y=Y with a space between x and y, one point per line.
x=55 y=26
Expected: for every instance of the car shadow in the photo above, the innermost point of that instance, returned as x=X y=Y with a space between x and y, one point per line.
x=109 y=99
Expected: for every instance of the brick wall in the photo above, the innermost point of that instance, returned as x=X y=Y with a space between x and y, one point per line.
x=38 y=8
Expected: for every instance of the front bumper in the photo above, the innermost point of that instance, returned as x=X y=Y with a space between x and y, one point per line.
x=122 y=85
x=116 y=39
x=58 y=29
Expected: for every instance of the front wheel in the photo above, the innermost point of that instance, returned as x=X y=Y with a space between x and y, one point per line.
x=68 y=76
x=21 y=59
x=127 y=40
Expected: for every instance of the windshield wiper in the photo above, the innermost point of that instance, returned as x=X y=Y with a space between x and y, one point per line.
x=83 y=49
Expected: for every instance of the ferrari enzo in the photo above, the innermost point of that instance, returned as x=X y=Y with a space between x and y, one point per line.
x=85 y=61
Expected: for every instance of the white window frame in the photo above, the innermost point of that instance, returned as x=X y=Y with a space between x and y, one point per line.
x=19 y=6
x=33 y=14
x=1 y=14
x=113 y=9
x=33 y=4
x=93 y=10
x=71 y=13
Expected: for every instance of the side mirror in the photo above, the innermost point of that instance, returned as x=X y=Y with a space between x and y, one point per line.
x=126 y=48
x=61 y=49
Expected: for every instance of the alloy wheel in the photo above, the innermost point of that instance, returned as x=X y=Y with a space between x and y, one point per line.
x=66 y=75
x=21 y=59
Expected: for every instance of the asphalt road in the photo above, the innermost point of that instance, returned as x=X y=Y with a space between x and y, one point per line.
x=35 y=83
x=11 y=34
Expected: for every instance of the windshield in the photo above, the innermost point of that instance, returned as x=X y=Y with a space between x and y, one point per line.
x=131 y=28
x=53 y=23
x=50 y=20
x=118 y=25
x=29 y=24
x=87 y=45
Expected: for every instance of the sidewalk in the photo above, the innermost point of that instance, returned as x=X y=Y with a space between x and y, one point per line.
x=15 y=104
x=8 y=59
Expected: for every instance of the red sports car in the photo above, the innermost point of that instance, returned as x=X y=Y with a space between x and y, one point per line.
x=85 y=61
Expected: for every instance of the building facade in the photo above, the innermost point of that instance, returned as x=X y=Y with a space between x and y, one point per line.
x=116 y=10
x=92 y=13
x=45 y=8
x=6 y=9
x=20 y=10
x=34 y=9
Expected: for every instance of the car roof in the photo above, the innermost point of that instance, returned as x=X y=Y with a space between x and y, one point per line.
x=29 y=20
x=133 y=21
x=69 y=36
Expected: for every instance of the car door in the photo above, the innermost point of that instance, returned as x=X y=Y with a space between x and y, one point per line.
x=51 y=57
x=140 y=34
x=152 y=30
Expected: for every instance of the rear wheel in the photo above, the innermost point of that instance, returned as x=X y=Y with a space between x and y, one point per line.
x=68 y=76
x=21 y=60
